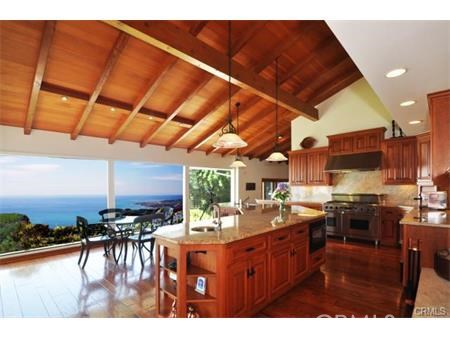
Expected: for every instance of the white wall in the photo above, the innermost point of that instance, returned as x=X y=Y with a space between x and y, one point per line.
x=356 y=107
x=12 y=140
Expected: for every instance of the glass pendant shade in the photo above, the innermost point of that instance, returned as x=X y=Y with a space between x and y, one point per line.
x=276 y=156
x=237 y=163
x=230 y=140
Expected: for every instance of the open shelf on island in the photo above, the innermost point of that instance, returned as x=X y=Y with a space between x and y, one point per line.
x=169 y=287
x=195 y=271
x=195 y=297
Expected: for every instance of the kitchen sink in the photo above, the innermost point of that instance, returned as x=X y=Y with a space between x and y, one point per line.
x=207 y=228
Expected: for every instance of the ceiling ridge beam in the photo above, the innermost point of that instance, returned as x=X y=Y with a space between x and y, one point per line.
x=41 y=65
x=154 y=84
x=183 y=45
x=107 y=70
x=151 y=134
x=113 y=103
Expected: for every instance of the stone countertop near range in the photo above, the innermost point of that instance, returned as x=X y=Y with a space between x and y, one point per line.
x=234 y=228
x=427 y=217
x=433 y=296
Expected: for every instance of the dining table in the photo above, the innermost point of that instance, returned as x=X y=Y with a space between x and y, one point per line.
x=120 y=228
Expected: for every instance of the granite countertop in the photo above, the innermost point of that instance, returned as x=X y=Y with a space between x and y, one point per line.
x=234 y=228
x=426 y=217
x=433 y=296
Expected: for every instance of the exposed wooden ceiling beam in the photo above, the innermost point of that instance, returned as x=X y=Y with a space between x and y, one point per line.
x=198 y=27
x=245 y=37
x=46 y=41
x=183 y=45
x=218 y=126
x=315 y=54
x=330 y=89
x=239 y=44
x=107 y=69
x=265 y=62
x=152 y=133
x=113 y=103
x=335 y=68
x=263 y=139
x=250 y=123
x=154 y=84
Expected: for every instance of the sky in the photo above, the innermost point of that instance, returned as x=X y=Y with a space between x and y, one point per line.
x=45 y=176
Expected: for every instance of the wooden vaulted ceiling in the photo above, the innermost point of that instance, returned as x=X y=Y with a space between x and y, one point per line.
x=164 y=82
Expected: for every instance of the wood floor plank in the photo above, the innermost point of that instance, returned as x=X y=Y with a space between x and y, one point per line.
x=357 y=280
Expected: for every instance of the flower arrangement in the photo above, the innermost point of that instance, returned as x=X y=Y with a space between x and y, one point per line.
x=281 y=193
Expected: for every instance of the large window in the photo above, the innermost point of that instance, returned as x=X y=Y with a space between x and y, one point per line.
x=149 y=187
x=40 y=198
x=208 y=186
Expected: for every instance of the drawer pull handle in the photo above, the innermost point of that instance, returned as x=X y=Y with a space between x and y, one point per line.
x=317 y=258
x=281 y=238
x=301 y=231
x=250 y=249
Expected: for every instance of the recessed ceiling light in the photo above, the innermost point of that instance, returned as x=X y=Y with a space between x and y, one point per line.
x=112 y=109
x=280 y=137
x=64 y=98
x=415 y=122
x=150 y=117
x=407 y=103
x=395 y=72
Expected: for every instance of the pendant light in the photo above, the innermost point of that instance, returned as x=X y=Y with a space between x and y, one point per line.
x=276 y=155
x=237 y=163
x=229 y=138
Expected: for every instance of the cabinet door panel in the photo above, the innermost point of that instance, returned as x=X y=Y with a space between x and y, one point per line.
x=360 y=143
x=280 y=270
x=238 y=289
x=424 y=157
x=335 y=146
x=300 y=261
x=347 y=144
x=258 y=291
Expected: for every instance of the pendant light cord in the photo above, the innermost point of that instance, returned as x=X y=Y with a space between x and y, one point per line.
x=276 y=103
x=229 y=71
x=237 y=123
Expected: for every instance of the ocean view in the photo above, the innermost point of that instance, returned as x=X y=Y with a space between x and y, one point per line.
x=62 y=210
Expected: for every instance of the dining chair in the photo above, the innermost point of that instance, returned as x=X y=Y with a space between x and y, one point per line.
x=88 y=241
x=168 y=213
x=110 y=214
x=146 y=226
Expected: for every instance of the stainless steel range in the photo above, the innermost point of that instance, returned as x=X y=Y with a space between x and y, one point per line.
x=354 y=216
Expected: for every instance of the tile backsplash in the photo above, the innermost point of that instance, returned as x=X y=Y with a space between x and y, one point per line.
x=356 y=182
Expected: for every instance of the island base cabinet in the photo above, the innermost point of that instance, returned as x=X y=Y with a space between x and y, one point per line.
x=299 y=261
x=280 y=271
x=247 y=286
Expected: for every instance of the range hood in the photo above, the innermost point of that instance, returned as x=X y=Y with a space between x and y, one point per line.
x=354 y=162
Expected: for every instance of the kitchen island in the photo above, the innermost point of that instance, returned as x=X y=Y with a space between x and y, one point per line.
x=254 y=259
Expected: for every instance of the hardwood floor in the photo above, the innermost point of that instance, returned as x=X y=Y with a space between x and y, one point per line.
x=357 y=280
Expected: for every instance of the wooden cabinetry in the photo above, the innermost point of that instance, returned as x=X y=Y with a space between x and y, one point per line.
x=306 y=167
x=424 y=156
x=356 y=142
x=400 y=160
x=439 y=107
x=390 y=226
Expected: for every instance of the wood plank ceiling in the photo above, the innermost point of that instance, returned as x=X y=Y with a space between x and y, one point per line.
x=163 y=82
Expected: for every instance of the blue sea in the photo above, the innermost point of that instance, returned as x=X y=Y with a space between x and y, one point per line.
x=62 y=210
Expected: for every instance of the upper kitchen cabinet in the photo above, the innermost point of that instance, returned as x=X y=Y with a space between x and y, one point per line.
x=400 y=160
x=439 y=107
x=306 y=167
x=356 y=142
x=424 y=157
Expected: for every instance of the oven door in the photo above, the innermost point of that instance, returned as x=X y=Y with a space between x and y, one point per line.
x=365 y=226
x=317 y=235
x=334 y=223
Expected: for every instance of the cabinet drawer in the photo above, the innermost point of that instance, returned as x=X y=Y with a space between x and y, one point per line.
x=300 y=233
x=316 y=259
x=280 y=237
x=246 y=248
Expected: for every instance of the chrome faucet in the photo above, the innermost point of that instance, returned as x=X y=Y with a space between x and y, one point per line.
x=217 y=211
